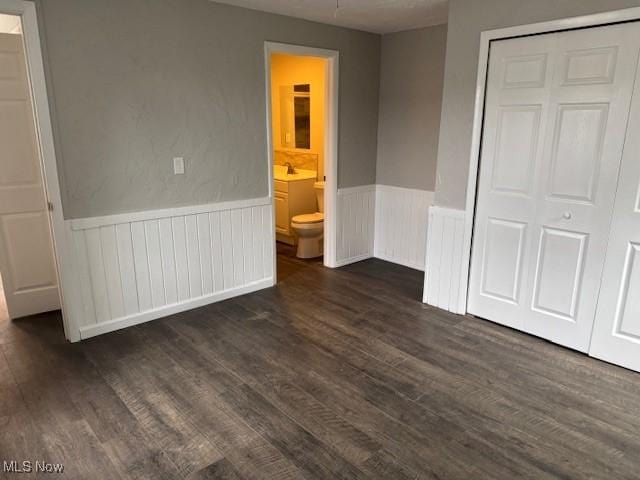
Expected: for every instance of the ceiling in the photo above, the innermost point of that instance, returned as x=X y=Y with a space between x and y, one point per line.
x=378 y=16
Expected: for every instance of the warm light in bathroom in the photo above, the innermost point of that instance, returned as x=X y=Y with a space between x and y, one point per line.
x=294 y=70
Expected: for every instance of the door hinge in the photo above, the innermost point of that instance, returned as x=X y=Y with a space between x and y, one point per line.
x=50 y=206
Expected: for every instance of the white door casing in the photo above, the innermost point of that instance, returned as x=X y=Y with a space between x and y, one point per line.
x=616 y=331
x=555 y=116
x=330 y=140
x=26 y=253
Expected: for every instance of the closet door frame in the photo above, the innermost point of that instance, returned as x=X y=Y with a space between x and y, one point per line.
x=486 y=37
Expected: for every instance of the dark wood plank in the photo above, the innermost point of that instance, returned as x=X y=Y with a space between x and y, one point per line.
x=332 y=374
x=220 y=470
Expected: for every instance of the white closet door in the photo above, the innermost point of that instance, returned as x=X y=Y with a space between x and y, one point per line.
x=555 y=116
x=26 y=253
x=516 y=112
x=616 y=332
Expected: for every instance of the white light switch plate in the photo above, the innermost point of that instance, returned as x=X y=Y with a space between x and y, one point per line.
x=178 y=165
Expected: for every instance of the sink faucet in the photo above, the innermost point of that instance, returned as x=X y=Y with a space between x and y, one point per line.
x=290 y=169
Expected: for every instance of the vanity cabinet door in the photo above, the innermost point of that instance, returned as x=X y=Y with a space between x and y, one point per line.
x=282 y=213
x=281 y=186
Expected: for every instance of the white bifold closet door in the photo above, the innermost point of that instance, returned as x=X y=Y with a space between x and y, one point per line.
x=556 y=114
x=616 y=333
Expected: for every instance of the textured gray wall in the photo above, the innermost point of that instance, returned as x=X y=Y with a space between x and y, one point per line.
x=411 y=75
x=467 y=18
x=136 y=82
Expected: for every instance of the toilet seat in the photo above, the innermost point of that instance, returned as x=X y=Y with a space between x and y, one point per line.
x=308 y=218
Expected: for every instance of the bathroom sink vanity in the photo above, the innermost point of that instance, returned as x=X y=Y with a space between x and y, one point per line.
x=294 y=195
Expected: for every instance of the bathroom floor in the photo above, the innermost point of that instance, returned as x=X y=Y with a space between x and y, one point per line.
x=289 y=264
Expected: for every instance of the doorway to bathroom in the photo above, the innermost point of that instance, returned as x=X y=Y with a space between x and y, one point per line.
x=302 y=123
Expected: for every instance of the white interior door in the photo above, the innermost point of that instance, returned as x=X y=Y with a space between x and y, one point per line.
x=555 y=116
x=26 y=253
x=616 y=331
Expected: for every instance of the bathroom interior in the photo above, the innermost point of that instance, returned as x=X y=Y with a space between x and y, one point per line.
x=298 y=124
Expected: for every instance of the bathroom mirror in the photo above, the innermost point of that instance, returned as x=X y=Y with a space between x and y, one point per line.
x=295 y=116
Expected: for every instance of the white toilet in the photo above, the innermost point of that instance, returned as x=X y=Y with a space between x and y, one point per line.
x=309 y=228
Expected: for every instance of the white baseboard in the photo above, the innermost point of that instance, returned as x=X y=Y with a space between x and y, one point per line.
x=401 y=225
x=399 y=261
x=117 y=324
x=350 y=260
x=444 y=281
x=147 y=265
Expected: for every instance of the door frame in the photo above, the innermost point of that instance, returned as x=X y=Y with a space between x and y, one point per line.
x=486 y=37
x=330 y=141
x=44 y=132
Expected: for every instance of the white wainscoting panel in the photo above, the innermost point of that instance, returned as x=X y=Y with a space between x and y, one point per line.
x=401 y=225
x=355 y=224
x=443 y=279
x=137 y=267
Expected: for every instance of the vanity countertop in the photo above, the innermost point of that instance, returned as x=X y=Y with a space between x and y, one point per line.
x=280 y=173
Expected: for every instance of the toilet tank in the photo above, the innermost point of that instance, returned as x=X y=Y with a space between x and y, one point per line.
x=319 y=188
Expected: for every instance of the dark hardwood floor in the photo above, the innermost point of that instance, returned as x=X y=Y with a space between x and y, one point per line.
x=332 y=374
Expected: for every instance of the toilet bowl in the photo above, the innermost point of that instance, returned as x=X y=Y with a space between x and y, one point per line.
x=309 y=228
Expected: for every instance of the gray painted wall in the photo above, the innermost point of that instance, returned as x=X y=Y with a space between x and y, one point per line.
x=467 y=18
x=136 y=82
x=411 y=75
